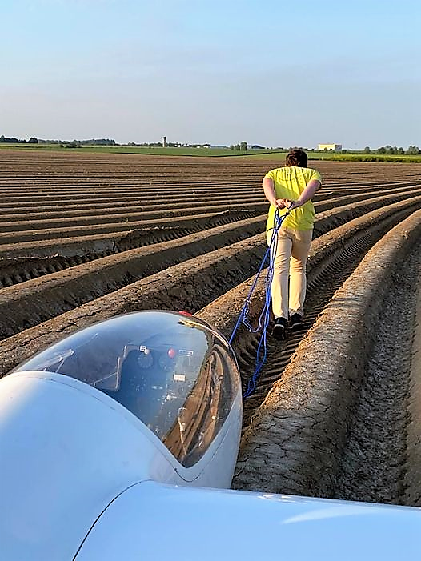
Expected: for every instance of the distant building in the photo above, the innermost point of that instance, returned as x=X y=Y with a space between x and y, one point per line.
x=333 y=147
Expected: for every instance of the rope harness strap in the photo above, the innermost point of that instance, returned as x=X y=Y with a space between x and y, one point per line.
x=264 y=316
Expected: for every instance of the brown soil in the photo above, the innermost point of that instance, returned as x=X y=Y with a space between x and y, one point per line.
x=89 y=236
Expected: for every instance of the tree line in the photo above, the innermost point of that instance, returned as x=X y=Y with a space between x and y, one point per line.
x=411 y=150
x=14 y=140
x=73 y=143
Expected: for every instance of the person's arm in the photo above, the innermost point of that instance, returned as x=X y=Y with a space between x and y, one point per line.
x=269 y=190
x=312 y=186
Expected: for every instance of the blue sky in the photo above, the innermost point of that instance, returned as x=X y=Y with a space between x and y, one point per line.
x=221 y=71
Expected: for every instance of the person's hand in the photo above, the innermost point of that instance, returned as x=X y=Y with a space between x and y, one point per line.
x=293 y=204
x=282 y=203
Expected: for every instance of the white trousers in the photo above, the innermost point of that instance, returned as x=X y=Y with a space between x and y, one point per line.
x=289 y=282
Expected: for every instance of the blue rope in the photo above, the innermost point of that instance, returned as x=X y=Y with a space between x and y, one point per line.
x=264 y=316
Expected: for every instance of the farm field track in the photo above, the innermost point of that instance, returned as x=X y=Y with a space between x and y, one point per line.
x=335 y=413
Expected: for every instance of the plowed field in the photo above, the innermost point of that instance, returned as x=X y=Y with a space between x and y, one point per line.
x=336 y=412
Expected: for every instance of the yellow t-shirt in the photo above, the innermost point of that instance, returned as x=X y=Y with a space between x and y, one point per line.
x=290 y=182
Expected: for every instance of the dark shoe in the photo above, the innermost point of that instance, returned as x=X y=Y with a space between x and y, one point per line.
x=295 y=321
x=280 y=329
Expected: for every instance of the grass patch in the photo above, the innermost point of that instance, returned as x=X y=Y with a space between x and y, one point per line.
x=217 y=152
x=155 y=151
x=349 y=157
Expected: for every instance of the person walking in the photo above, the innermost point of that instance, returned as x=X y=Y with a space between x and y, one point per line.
x=290 y=189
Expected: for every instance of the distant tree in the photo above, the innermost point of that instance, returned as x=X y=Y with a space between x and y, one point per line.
x=11 y=139
x=367 y=150
x=413 y=150
x=98 y=142
x=243 y=146
x=401 y=150
x=382 y=150
x=33 y=140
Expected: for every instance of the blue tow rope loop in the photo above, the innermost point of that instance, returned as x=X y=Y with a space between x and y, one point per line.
x=264 y=316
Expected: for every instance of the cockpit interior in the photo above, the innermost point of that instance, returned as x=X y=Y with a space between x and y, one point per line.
x=172 y=371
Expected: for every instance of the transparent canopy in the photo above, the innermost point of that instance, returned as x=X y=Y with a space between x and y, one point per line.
x=172 y=371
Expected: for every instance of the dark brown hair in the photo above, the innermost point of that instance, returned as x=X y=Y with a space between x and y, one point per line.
x=296 y=157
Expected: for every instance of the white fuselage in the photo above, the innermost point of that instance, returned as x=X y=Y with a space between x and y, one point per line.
x=68 y=450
